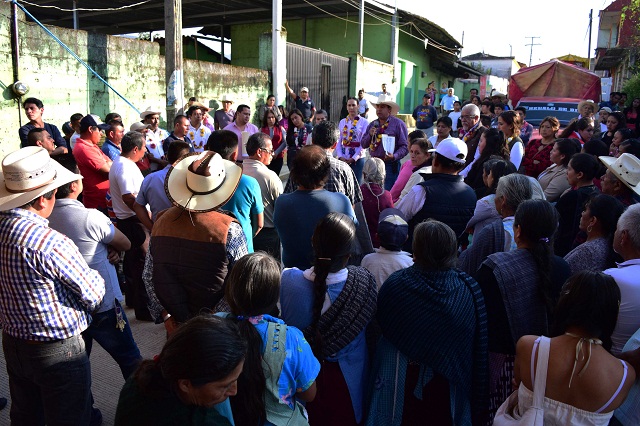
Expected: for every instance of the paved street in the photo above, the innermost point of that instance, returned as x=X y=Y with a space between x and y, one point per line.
x=107 y=378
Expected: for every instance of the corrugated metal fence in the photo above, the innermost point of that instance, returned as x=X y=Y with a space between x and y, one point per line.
x=326 y=75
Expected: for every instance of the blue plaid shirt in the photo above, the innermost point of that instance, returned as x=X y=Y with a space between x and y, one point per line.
x=46 y=288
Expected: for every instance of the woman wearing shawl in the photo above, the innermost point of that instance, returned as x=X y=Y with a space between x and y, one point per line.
x=333 y=304
x=520 y=288
x=374 y=197
x=497 y=236
x=420 y=374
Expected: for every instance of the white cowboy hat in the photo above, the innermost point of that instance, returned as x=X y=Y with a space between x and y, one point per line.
x=385 y=99
x=226 y=98
x=497 y=94
x=626 y=168
x=149 y=111
x=29 y=173
x=201 y=181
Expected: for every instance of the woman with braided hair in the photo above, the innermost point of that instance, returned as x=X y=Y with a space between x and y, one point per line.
x=265 y=398
x=520 y=289
x=333 y=303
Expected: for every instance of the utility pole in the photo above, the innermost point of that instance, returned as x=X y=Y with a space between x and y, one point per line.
x=532 y=44
x=590 y=26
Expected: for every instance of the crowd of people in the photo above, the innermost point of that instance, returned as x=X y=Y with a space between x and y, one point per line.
x=454 y=274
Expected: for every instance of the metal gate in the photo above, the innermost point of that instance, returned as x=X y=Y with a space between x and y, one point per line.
x=326 y=75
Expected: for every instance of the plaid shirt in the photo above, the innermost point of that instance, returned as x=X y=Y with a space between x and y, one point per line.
x=47 y=290
x=341 y=179
x=236 y=248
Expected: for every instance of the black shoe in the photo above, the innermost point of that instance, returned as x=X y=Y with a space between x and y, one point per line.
x=3 y=403
x=96 y=417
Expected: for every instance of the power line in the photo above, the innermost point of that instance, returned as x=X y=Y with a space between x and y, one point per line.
x=81 y=9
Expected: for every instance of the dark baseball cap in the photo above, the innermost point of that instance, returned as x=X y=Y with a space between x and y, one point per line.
x=393 y=229
x=92 y=120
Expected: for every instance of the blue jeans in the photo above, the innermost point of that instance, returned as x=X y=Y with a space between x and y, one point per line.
x=393 y=170
x=119 y=344
x=357 y=169
x=50 y=382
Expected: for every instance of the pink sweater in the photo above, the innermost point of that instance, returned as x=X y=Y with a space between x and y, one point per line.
x=403 y=178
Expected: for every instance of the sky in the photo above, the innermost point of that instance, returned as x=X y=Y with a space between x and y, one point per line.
x=492 y=25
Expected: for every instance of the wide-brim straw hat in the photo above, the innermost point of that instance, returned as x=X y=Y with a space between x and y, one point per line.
x=199 y=105
x=194 y=191
x=593 y=105
x=28 y=174
x=626 y=168
x=385 y=99
x=150 y=111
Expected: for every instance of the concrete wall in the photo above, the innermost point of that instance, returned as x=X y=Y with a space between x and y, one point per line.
x=133 y=67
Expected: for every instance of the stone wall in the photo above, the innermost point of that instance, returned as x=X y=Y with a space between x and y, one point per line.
x=133 y=67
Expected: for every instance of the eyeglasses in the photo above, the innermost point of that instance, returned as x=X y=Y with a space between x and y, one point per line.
x=467 y=117
x=268 y=151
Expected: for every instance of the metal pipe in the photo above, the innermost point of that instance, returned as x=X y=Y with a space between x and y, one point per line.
x=15 y=43
x=76 y=23
x=361 y=27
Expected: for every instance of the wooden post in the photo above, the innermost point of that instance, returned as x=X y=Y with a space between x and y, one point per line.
x=173 y=58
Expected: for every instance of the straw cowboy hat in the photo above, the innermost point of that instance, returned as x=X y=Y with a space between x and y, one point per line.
x=226 y=98
x=28 y=174
x=137 y=126
x=149 y=111
x=626 y=168
x=201 y=182
x=585 y=102
x=199 y=105
x=385 y=99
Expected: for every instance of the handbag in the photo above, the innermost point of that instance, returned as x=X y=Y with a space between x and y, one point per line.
x=507 y=414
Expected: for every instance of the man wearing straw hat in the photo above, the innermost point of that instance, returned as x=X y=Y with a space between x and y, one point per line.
x=47 y=292
x=224 y=116
x=191 y=279
x=622 y=178
x=155 y=136
x=387 y=125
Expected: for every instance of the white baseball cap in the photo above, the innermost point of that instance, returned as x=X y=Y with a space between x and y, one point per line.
x=452 y=148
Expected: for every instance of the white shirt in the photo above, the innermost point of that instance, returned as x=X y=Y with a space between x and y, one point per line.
x=627 y=276
x=385 y=262
x=454 y=116
x=73 y=138
x=154 y=145
x=414 y=179
x=517 y=152
x=199 y=136
x=412 y=202
x=124 y=178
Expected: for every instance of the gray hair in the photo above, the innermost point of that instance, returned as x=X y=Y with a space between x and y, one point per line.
x=515 y=188
x=630 y=222
x=472 y=109
x=374 y=171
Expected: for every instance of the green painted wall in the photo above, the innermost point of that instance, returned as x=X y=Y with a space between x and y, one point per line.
x=331 y=35
x=133 y=67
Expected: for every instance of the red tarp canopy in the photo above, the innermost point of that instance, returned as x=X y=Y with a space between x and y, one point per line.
x=557 y=79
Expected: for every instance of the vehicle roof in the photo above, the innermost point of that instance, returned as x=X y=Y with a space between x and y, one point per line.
x=549 y=99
